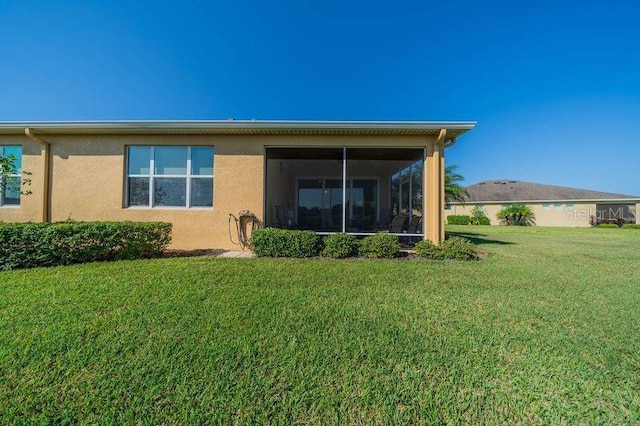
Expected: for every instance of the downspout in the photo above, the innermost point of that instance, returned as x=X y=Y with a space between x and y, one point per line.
x=46 y=180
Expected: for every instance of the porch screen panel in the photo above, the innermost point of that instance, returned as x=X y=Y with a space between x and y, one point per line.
x=383 y=183
x=304 y=188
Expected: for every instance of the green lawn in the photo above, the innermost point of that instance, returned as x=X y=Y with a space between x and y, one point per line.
x=545 y=330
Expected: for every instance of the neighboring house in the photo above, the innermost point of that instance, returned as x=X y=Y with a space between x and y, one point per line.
x=325 y=176
x=552 y=205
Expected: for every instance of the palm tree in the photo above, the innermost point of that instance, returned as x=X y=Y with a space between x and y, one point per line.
x=517 y=214
x=453 y=191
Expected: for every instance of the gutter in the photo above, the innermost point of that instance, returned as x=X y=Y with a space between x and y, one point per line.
x=46 y=217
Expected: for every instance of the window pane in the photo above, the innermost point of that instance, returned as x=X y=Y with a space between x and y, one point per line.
x=138 y=191
x=16 y=151
x=202 y=192
x=170 y=192
x=170 y=160
x=202 y=160
x=139 y=158
x=12 y=191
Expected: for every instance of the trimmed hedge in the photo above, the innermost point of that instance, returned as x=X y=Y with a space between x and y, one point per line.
x=455 y=248
x=631 y=226
x=484 y=221
x=458 y=220
x=28 y=245
x=339 y=246
x=276 y=242
x=607 y=225
x=377 y=246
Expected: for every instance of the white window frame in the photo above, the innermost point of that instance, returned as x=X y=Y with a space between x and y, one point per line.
x=18 y=175
x=152 y=176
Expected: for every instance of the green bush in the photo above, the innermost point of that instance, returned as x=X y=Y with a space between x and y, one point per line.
x=606 y=225
x=458 y=220
x=459 y=248
x=276 y=242
x=380 y=246
x=339 y=246
x=27 y=245
x=428 y=250
x=631 y=226
x=479 y=216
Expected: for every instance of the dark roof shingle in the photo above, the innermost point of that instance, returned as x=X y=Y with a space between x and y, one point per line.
x=511 y=190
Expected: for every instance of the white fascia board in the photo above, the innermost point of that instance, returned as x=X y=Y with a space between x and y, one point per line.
x=238 y=124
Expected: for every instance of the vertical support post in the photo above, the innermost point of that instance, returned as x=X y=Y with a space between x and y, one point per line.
x=434 y=186
x=442 y=193
x=344 y=189
x=638 y=213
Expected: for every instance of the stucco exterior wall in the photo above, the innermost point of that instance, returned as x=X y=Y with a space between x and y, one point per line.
x=88 y=178
x=556 y=214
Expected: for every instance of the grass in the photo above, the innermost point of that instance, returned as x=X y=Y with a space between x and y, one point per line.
x=546 y=330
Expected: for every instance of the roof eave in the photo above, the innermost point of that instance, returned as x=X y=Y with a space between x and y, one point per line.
x=237 y=126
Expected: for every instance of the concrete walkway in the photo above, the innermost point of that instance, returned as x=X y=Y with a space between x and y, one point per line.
x=238 y=254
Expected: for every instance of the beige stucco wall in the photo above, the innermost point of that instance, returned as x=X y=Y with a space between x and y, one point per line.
x=88 y=179
x=557 y=214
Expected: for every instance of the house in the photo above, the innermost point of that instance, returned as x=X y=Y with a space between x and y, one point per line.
x=325 y=176
x=552 y=205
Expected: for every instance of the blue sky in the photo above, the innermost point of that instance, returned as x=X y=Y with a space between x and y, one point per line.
x=554 y=85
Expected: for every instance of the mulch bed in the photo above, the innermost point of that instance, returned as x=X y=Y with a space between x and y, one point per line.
x=193 y=253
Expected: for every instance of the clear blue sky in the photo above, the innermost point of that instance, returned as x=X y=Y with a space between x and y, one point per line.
x=554 y=85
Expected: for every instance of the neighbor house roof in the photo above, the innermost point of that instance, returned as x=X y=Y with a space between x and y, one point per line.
x=243 y=127
x=506 y=190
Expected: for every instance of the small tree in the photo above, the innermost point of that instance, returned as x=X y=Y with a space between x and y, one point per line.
x=517 y=215
x=8 y=171
x=479 y=216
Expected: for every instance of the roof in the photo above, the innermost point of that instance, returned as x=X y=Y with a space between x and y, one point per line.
x=516 y=191
x=242 y=127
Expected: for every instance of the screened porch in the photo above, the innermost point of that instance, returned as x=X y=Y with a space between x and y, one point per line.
x=342 y=189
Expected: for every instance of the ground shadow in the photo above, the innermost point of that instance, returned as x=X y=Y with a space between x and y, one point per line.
x=477 y=238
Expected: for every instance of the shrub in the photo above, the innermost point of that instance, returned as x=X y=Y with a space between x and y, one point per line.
x=428 y=250
x=484 y=221
x=631 y=226
x=27 y=245
x=459 y=248
x=517 y=215
x=339 y=246
x=458 y=220
x=276 y=242
x=380 y=246
x=607 y=225
x=478 y=216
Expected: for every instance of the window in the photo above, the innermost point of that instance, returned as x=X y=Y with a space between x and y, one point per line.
x=545 y=207
x=569 y=207
x=170 y=176
x=557 y=207
x=10 y=196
